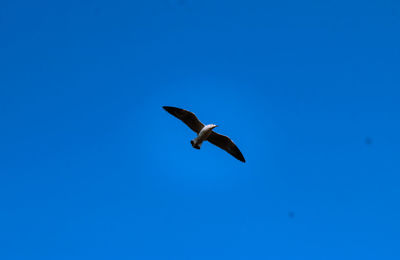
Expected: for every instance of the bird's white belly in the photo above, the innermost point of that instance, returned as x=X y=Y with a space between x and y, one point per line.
x=204 y=133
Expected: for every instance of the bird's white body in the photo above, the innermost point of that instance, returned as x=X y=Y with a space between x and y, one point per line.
x=202 y=136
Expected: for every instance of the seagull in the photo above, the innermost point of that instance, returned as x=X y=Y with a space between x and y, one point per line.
x=205 y=132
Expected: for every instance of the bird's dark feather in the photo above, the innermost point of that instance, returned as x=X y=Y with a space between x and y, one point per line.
x=226 y=144
x=186 y=117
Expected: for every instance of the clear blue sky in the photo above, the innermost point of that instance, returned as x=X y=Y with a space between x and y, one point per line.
x=91 y=166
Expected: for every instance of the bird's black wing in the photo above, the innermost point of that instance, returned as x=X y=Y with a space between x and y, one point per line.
x=226 y=143
x=187 y=117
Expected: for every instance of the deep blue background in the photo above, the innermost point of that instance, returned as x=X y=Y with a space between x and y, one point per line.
x=91 y=166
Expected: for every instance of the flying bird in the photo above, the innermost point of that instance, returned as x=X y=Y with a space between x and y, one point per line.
x=205 y=132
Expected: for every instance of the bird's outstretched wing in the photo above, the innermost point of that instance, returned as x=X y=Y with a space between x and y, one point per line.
x=187 y=117
x=226 y=143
